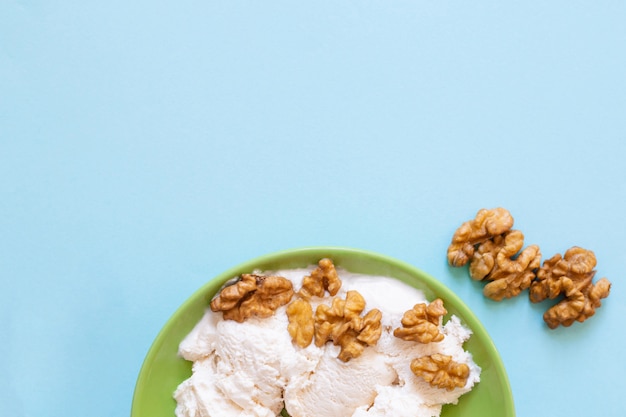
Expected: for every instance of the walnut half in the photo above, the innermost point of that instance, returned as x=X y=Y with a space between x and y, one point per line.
x=301 y=325
x=342 y=323
x=441 y=371
x=570 y=275
x=500 y=261
x=421 y=323
x=253 y=295
x=487 y=224
x=323 y=278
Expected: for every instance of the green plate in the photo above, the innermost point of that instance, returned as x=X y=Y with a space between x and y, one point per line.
x=163 y=369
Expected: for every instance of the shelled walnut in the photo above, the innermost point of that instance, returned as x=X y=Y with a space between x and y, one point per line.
x=252 y=295
x=500 y=261
x=572 y=276
x=487 y=224
x=421 y=323
x=441 y=371
x=301 y=324
x=492 y=249
x=323 y=278
x=342 y=323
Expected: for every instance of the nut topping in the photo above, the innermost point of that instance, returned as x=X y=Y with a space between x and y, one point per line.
x=253 y=295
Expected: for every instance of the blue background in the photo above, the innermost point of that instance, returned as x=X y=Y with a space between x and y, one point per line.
x=146 y=147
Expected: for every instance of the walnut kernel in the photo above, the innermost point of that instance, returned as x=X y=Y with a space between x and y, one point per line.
x=323 y=278
x=253 y=295
x=570 y=275
x=301 y=324
x=486 y=224
x=342 y=323
x=441 y=371
x=421 y=323
x=500 y=261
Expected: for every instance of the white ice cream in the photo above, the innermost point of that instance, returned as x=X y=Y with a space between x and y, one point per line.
x=253 y=369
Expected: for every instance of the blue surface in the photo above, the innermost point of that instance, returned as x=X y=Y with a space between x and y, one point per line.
x=147 y=147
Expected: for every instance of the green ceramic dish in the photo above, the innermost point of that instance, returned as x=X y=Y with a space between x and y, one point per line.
x=163 y=369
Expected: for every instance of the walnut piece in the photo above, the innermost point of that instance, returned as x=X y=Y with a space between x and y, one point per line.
x=301 y=325
x=441 y=371
x=342 y=323
x=253 y=295
x=487 y=224
x=323 y=278
x=421 y=323
x=570 y=275
x=500 y=261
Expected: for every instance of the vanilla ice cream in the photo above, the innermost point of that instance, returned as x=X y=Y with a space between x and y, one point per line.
x=253 y=369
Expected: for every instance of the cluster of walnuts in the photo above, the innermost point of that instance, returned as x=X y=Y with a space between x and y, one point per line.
x=342 y=322
x=421 y=324
x=494 y=253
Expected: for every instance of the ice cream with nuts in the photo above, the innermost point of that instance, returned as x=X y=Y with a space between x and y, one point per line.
x=343 y=344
